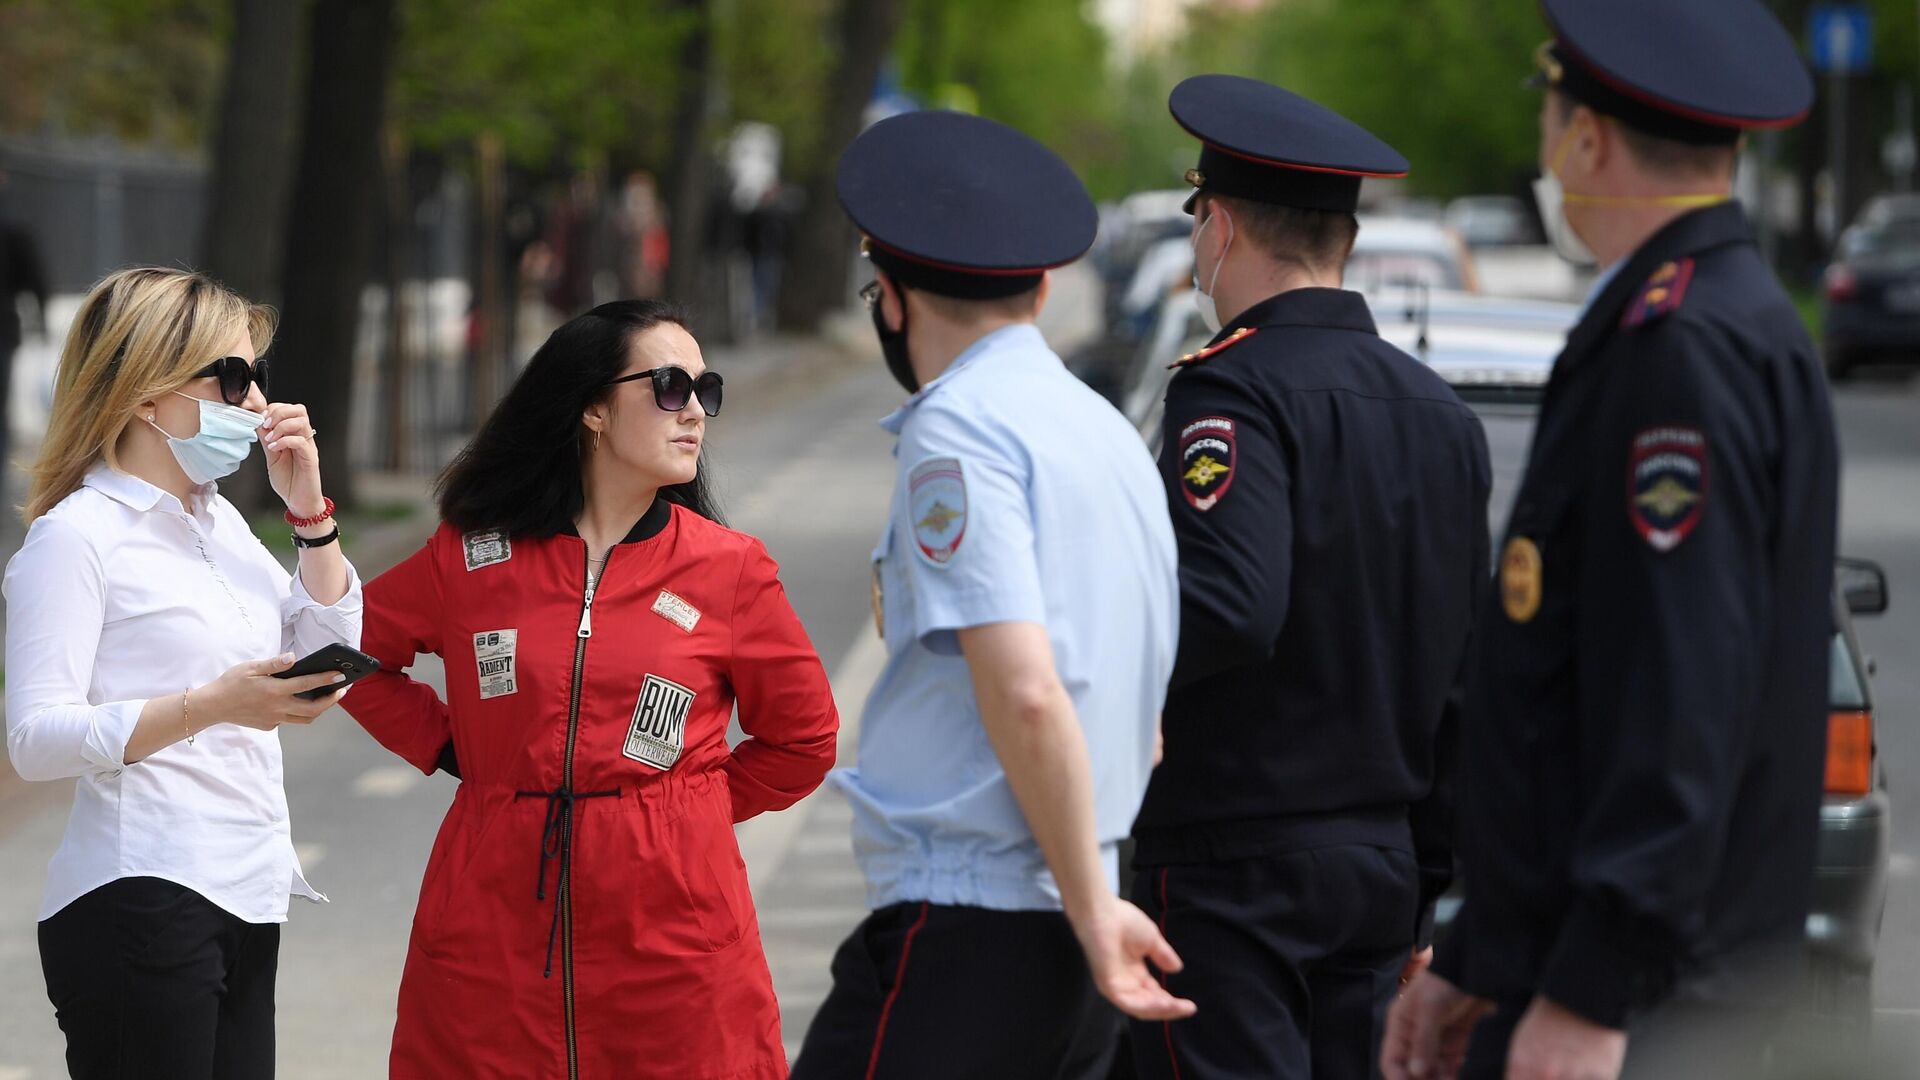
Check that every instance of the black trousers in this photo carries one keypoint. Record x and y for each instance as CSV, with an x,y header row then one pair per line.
x,y
151,979
926,992
1293,960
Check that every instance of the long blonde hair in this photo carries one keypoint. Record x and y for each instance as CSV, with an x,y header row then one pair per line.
x,y
140,333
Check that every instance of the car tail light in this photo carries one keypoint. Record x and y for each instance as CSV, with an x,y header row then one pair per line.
x,y
1850,753
1842,283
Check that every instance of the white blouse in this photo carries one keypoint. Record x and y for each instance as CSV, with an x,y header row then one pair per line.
x,y
120,595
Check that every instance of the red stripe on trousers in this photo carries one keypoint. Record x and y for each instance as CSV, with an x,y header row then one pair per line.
x,y
1166,1025
899,980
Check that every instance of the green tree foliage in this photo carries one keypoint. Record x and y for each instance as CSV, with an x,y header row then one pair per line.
x,y
776,58
550,77
1440,81
597,79
144,70
1038,65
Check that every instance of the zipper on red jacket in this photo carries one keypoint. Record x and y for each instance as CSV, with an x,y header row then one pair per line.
x,y
564,895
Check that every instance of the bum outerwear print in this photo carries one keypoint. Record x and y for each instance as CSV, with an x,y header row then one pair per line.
x,y
585,911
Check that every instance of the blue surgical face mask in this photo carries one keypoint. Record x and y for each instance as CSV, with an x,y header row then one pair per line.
x,y
227,434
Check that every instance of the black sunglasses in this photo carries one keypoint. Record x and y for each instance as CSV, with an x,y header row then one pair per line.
x,y
673,388
234,374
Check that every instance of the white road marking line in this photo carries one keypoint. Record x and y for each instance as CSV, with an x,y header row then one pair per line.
x,y
766,841
386,781
310,856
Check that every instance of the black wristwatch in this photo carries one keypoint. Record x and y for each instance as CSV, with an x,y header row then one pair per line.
x,y
318,541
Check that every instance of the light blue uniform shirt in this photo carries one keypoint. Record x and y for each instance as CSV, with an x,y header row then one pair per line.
x,y
1600,282
1019,495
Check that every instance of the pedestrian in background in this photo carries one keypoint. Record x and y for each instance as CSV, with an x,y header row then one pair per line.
x,y
585,910
138,613
22,274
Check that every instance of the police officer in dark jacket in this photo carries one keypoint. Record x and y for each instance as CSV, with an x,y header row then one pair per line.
x,y
1646,711
1329,498
21,274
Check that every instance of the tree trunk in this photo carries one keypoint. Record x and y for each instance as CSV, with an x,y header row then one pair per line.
x,y
253,150
330,230
399,237
687,189
815,283
1797,260
252,172
487,364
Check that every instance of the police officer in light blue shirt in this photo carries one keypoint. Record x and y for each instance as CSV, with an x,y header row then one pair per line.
x,y
1028,596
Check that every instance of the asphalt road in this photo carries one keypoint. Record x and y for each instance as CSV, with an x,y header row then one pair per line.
x,y
802,465
1879,423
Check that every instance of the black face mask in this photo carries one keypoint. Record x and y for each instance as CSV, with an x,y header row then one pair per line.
x,y
893,346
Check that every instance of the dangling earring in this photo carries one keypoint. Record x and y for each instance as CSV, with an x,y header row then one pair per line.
x,y
596,442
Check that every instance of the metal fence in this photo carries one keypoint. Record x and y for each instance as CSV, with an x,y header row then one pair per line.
x,y
95,205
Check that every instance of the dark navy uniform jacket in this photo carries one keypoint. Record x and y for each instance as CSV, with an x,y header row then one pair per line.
x,y
1646,708
1329,498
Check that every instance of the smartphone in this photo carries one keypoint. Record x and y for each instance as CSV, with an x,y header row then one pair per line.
x,y
348,661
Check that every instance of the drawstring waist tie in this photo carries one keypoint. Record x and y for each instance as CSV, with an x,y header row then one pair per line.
x,y
556,842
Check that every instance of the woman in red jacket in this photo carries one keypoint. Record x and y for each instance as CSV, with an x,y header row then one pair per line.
x,y
585,911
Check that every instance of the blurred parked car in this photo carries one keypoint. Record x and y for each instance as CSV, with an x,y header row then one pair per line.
x,y
1493,221
1134,226
1872,308
1400,251
1890,206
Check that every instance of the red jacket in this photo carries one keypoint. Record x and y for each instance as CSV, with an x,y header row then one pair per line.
x,y
585,912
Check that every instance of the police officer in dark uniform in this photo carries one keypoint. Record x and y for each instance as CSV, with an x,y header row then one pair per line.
x,y
1645,715
1329,498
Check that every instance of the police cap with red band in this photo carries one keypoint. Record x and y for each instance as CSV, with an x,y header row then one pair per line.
x,y
963,206
1269,145
1696,71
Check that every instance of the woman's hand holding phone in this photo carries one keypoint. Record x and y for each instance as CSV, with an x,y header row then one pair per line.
x,y
249,695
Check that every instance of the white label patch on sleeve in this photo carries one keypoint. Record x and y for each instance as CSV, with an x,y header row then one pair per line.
x,y
493,655
487,548
676,611
937,509
659,728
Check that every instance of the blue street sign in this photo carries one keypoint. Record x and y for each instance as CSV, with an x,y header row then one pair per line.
x,y
1840,37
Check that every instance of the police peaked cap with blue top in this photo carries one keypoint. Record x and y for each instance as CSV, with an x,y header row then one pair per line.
x,y
1695,71
1269,145
962,206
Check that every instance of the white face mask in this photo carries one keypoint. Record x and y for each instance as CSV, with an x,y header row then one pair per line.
x,y
1203,299
1552,198
226,436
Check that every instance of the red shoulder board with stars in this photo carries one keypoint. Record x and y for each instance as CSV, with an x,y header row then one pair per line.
x,y
1662,296
1234,338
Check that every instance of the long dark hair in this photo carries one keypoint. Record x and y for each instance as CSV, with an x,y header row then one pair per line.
x,y
521,473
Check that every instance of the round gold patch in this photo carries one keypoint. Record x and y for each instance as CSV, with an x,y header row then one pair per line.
x,y
1520,579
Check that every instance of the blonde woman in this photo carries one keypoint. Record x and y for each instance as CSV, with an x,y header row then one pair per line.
x,y
144,623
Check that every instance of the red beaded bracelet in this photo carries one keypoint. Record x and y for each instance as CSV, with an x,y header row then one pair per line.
x,y
309,522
